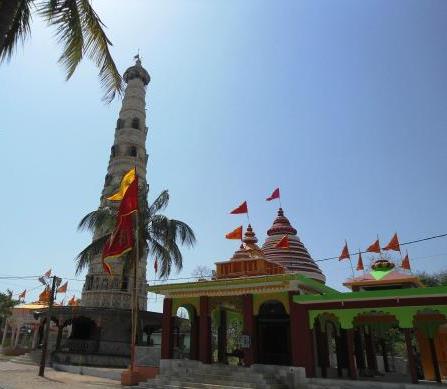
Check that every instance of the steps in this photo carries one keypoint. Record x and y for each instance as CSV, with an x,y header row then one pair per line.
x,y
213,377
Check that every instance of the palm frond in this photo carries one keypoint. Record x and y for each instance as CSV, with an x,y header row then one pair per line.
x,y
163,255
160,203
183,232
84,258
102,218
97,46
66,17
15,18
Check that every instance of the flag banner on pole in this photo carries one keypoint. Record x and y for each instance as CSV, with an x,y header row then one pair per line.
x,y
274,195
47,273
127,179
406,263
393,244
283,243
22,295
360,263
73,301
63,288
344,253
122,239
129,203
374,248
45,295
243,208
235,234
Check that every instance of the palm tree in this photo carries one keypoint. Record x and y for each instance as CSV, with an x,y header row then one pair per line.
x,y
158,234
78,28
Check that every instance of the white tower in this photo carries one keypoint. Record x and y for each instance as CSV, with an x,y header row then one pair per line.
x,y
128,150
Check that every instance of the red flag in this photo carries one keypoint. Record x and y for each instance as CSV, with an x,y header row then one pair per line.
x,y
63,288
344,253
73,301
156,265
235,234
274,195
243,208
374,248
406,263
47,274
129,203
122,239
360,263
22,295
45,295
394,244
283,243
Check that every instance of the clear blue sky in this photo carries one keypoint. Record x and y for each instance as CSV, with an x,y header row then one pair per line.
x,y
343,104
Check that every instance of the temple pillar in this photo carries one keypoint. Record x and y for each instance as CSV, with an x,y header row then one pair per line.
x,y
249,330
322,348
194,353
222,338
359,350
302,340
434,359
410,356
166,332
350,353
205,331
370,351
384,355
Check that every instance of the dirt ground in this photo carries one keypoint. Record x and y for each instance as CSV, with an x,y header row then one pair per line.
x,y
17,376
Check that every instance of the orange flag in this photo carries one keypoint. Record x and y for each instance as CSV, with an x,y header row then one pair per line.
x,y
394,244
47,274
344,253
405,263
63,288
283,243
22,295
360,263
73,301
235,234
45,295
243,208
374,248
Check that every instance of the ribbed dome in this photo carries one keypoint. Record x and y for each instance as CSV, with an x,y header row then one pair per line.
x,y
296,258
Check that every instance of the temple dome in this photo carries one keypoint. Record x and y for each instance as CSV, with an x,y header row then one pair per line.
x,y
295,258
137,71
248,249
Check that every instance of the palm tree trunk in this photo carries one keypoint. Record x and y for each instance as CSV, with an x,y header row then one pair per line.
x,y
8,9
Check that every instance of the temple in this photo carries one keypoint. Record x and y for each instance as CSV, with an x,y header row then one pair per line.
x,y
269,306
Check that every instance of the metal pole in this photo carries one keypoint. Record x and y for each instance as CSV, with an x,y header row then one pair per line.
x,y
47,329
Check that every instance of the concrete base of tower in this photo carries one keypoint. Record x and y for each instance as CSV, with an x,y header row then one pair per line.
x,y
102,336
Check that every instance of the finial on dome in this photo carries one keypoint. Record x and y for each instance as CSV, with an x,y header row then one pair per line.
x,y
137,71
280,212
250,236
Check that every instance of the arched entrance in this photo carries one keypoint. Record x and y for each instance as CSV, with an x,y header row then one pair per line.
x,y
273,334
184,333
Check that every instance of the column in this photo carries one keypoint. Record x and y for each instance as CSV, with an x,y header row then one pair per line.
x,y
222,338
166,332
322,348
350,352
302,340
5,333
384,355
249,330
370,351
205,331
359,351
194,353
410,355
434,358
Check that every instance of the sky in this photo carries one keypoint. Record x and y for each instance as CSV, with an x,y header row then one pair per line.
x,y
342,104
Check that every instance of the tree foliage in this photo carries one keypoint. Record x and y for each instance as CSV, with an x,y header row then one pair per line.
x,y
6,304
433,279
78,29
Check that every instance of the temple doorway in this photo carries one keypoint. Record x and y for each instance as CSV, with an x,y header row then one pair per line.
x,y
226,333
273,334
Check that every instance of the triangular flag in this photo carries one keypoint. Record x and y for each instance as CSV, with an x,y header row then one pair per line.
x,y
127,179
47,274
72,301
22,295
283,243
406,263
393,244
274,195
360,263
235,234
63,288
344,253
374,248
243,208
156,265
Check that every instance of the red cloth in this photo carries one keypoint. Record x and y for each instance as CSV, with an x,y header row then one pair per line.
x,y
283,243
344,253
243,208
122,239
63,288
129,203
274,195
235,234
360,263
374,248
394,244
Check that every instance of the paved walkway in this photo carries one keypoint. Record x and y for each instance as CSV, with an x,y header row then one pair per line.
x,y
18,376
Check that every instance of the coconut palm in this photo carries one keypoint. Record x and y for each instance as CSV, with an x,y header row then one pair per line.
x,y
78,28
159,235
